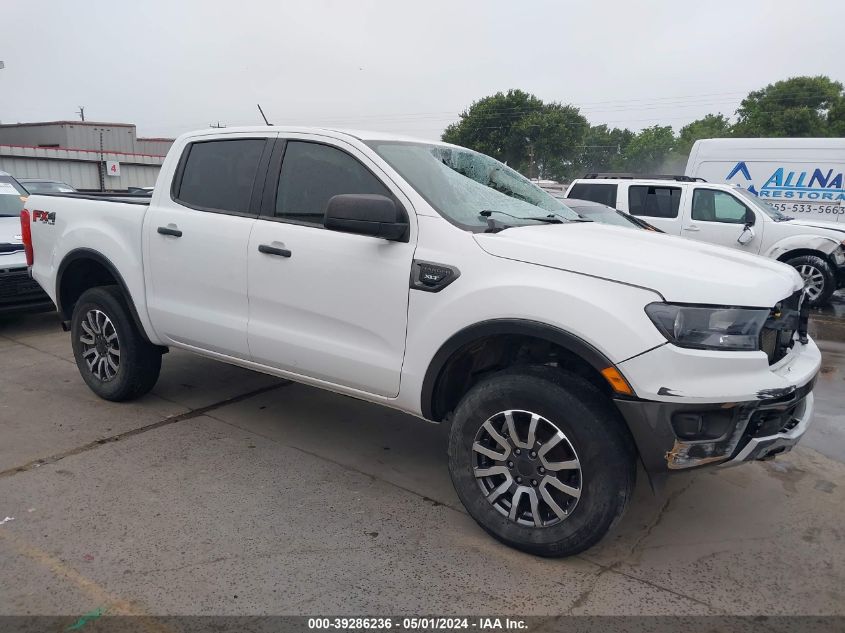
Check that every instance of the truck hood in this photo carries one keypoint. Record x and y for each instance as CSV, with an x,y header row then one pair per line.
x,y
10,239
832,230
681,270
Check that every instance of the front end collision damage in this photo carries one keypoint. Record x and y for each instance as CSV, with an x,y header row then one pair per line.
x,y
678,436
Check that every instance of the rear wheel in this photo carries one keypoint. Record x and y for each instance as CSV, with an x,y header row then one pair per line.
x,y
819,280
115,360
540,460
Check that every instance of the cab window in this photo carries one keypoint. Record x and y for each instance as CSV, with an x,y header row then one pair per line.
x,y
601,193
709,205
312,173
654,201
218,175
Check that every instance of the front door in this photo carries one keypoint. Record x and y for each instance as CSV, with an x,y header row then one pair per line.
x,y
196,245
719,217
327,305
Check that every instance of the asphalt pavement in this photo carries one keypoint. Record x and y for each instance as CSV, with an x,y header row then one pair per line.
x,y
230,492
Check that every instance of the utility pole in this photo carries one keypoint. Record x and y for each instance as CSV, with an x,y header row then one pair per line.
x,y
81,113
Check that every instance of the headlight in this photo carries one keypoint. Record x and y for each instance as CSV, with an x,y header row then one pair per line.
x,y
709,328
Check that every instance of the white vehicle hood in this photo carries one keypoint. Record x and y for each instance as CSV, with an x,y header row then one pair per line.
x,y
10,237
827,229
681,270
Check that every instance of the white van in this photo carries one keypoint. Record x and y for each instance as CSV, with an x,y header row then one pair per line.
x,y
803,177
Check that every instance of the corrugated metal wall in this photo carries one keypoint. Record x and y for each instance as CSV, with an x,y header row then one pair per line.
x,y
80,174
70,135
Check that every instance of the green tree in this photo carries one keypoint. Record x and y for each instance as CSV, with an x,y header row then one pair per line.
x,y
488,126
711,126
603,149
536,138
552,136
650,149
796,107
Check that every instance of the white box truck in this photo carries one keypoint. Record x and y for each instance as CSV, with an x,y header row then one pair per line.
x,y
804,177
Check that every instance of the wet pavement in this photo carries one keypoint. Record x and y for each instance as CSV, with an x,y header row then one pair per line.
x,y
230,492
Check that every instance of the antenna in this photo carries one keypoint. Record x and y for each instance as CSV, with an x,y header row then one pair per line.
x,y
81,113
262,114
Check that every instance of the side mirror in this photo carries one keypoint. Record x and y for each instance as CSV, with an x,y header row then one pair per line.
x,y
746,236
366,214
750,218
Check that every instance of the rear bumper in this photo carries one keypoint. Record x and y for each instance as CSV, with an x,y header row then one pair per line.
x,y
20,293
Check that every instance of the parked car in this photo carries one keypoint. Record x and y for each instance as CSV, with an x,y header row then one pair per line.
x,y
800,176
727,215
18,291
38,185
436,280
598,212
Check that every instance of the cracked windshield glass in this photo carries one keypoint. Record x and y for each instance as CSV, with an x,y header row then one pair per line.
x,y
461,184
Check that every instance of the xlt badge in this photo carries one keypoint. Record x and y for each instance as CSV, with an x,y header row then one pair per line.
x,y
432,277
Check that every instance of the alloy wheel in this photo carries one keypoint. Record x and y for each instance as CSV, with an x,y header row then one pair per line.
x,y
813,280
527,468
100,345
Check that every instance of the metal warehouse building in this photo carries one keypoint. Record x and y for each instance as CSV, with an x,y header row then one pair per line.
x,y
84,154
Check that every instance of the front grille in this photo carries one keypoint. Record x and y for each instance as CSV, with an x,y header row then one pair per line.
x,y
778,335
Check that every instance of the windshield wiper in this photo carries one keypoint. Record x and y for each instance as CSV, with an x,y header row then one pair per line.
x,y
549,219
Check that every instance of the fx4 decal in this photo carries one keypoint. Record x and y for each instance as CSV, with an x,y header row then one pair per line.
x,y
47,217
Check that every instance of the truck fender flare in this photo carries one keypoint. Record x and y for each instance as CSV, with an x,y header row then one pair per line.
x,y
87,253
526,327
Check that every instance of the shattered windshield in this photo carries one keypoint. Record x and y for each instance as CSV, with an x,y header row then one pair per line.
x,y
461,184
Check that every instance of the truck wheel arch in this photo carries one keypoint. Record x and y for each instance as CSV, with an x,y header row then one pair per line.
x,y
798,252
436,400
84,268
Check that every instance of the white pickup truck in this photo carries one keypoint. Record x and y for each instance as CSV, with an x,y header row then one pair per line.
x,y
436,280
728,215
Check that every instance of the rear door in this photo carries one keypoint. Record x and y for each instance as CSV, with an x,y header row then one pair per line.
x,y
327,305
197,236
658,205
719,217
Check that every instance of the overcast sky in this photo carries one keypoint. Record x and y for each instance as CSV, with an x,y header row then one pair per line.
x,y
410,67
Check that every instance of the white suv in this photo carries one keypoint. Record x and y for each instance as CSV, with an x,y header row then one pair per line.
x,y
727,215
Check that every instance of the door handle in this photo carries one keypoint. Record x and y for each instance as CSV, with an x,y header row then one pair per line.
x,y
691,227
166,230
272,250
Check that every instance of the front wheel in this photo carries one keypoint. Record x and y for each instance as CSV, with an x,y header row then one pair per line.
x,y
115,360
819,280
541,460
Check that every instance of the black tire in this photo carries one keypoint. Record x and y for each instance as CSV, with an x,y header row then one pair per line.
x,y
820,271
595,432
138,361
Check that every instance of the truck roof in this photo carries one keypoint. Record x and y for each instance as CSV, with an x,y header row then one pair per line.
x,y
771,143
361,135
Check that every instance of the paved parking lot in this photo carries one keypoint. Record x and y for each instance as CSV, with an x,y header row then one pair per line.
x,y
229,492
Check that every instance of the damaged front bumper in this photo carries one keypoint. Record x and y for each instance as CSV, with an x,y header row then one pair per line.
x,y
677,436
763,410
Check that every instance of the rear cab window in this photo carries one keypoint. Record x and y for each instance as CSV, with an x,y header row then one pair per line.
x,y
601,193
654,201
219,175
